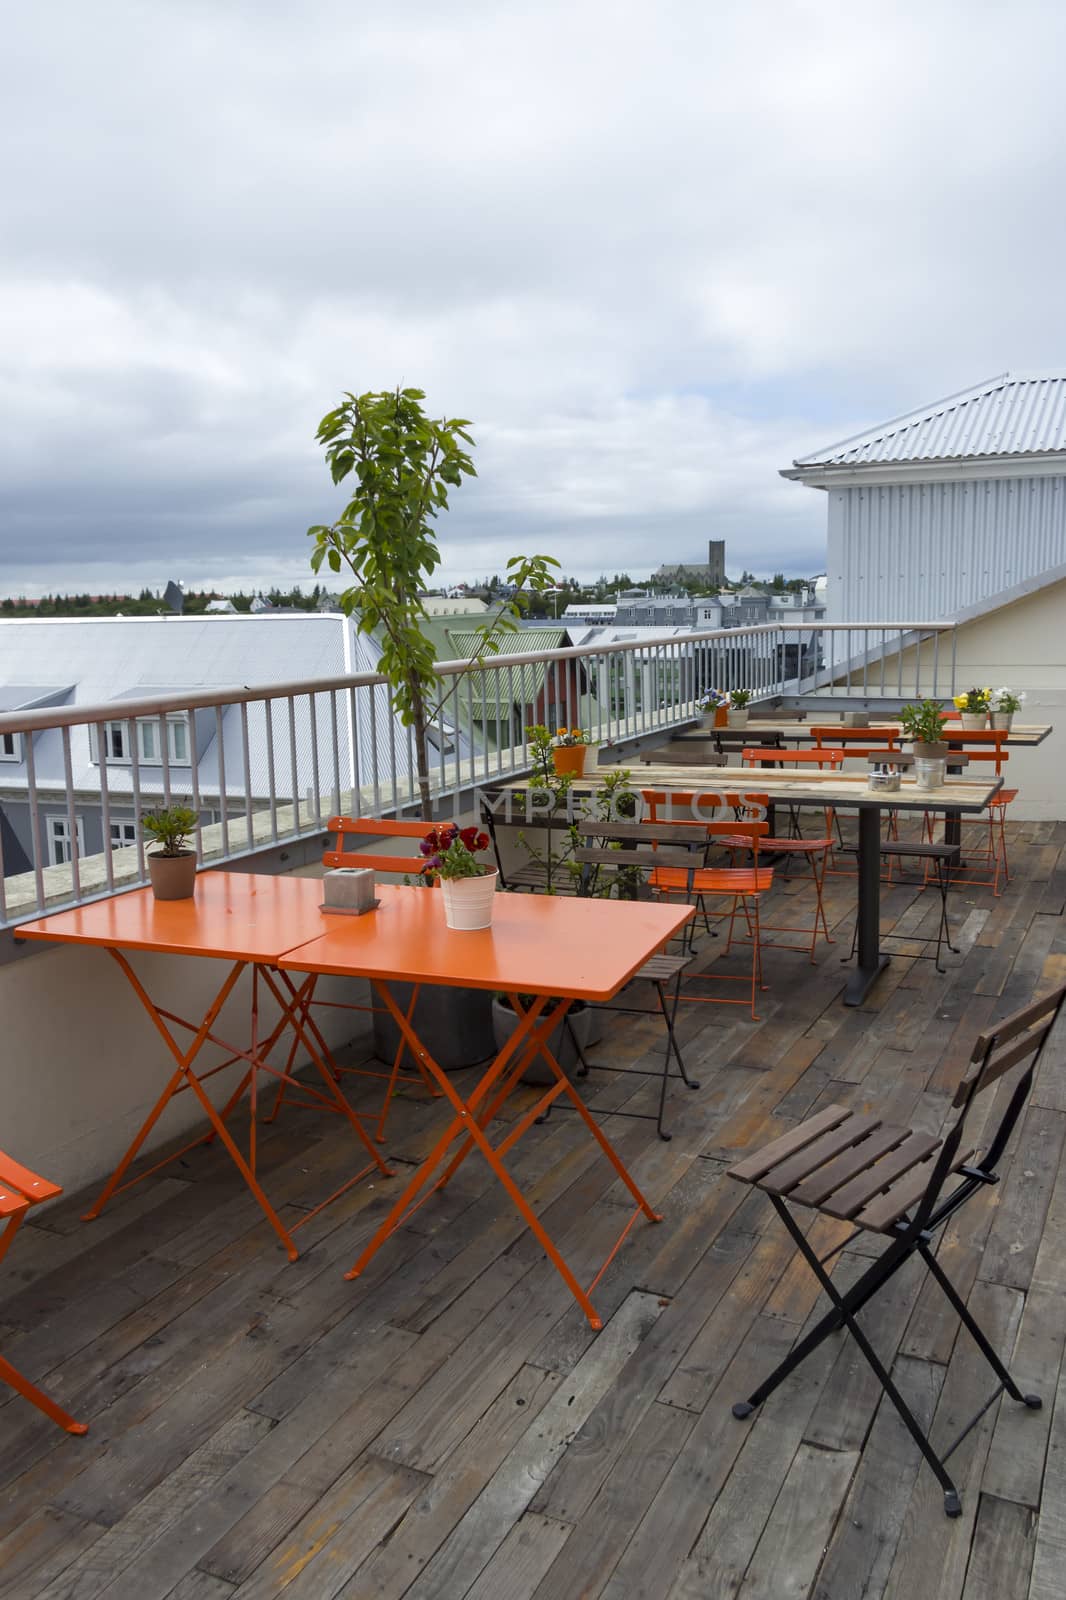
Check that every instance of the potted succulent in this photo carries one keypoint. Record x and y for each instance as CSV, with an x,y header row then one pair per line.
x,y
715,707
568,750
738,707
468,886
171,868
923,725
973,707
1005,702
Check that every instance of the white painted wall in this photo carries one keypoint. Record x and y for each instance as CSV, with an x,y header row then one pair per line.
x,y
911,551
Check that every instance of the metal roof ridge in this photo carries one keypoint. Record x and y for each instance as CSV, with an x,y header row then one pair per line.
x,y
880,429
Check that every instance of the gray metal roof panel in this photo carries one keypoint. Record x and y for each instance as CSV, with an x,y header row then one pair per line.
x,y
1004,416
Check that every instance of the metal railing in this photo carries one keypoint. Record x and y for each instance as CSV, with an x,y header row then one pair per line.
x,y
267,765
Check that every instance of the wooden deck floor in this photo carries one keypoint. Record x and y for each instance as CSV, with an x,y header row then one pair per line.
x,y
449,1426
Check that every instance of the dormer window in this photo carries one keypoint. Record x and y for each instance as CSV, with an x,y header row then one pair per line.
x,y
149,735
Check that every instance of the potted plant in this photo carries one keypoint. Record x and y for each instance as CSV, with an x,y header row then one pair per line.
x,y
468,886
715,707
171,868
973,707
578,1025
1005,702
568,751
738,707
923,725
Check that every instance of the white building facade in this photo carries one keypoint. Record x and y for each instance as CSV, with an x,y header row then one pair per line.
x,y
948,509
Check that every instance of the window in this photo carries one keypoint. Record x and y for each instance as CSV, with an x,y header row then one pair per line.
x,y
123,834
59,850
10,747
115,741
149,743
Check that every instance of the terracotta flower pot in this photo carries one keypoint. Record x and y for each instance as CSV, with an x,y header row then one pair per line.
x,y
468,902
569,758
173,877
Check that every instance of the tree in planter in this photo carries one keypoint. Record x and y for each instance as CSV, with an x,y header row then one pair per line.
x,y
613,799
405,464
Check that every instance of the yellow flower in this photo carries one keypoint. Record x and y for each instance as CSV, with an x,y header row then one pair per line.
x,y
959,702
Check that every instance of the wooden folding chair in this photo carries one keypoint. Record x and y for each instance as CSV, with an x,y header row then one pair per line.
x,y
966,748
624,855
903,1185
19,1190
361,828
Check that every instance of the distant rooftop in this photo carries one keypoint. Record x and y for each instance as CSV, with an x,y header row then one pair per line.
x,y
1004,416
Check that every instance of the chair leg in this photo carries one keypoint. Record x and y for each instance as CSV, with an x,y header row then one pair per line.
x,y
37,1397
845,1309
1033,1401
672,1047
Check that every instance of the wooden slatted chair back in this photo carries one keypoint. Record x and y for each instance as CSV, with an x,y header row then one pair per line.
x,y
1018,1038
1009,1042
644,845
373,828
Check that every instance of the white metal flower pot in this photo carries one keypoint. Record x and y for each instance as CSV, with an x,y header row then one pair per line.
x,y
468,902
973,719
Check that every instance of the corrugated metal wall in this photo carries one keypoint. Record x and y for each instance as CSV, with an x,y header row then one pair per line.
x,y
920,552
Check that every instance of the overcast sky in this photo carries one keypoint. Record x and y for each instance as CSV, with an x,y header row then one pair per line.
x,y
653,251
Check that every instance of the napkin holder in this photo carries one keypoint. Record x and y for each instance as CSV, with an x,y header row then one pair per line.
x,y
349,892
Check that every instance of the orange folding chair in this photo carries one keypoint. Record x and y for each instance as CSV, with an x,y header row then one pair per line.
x,y
362,828
982,744
743,887
19,1190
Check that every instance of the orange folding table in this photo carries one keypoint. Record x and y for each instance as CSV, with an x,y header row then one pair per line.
x,y
552,949
246,920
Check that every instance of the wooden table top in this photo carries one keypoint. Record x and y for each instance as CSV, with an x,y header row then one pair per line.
x,y
1021,735
802,787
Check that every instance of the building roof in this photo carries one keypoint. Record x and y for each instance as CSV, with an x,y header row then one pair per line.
x,y
119,658
523,684
1010,415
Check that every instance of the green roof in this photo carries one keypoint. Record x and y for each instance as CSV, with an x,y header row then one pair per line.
x,y
518,685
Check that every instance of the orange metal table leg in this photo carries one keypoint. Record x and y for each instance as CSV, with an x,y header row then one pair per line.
x,y
185,1077
471,1118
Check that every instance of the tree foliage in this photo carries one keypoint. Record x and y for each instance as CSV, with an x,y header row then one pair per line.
x,y
405,464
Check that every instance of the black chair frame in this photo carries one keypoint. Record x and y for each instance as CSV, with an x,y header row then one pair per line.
x,y
923,1208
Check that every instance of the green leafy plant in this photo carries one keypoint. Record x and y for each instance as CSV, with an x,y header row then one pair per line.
x,y
404,464
974,702
739,698
613,798
170,828
923,723
1007,701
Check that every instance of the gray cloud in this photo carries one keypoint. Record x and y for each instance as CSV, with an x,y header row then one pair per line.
x,y
652,253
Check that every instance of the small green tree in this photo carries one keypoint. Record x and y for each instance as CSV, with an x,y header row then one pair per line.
x,y
405,464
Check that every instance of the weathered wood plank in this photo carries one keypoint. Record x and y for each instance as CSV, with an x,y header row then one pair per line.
x,y
790,1551
869,1528
1002,1554
509,1491
523,1558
